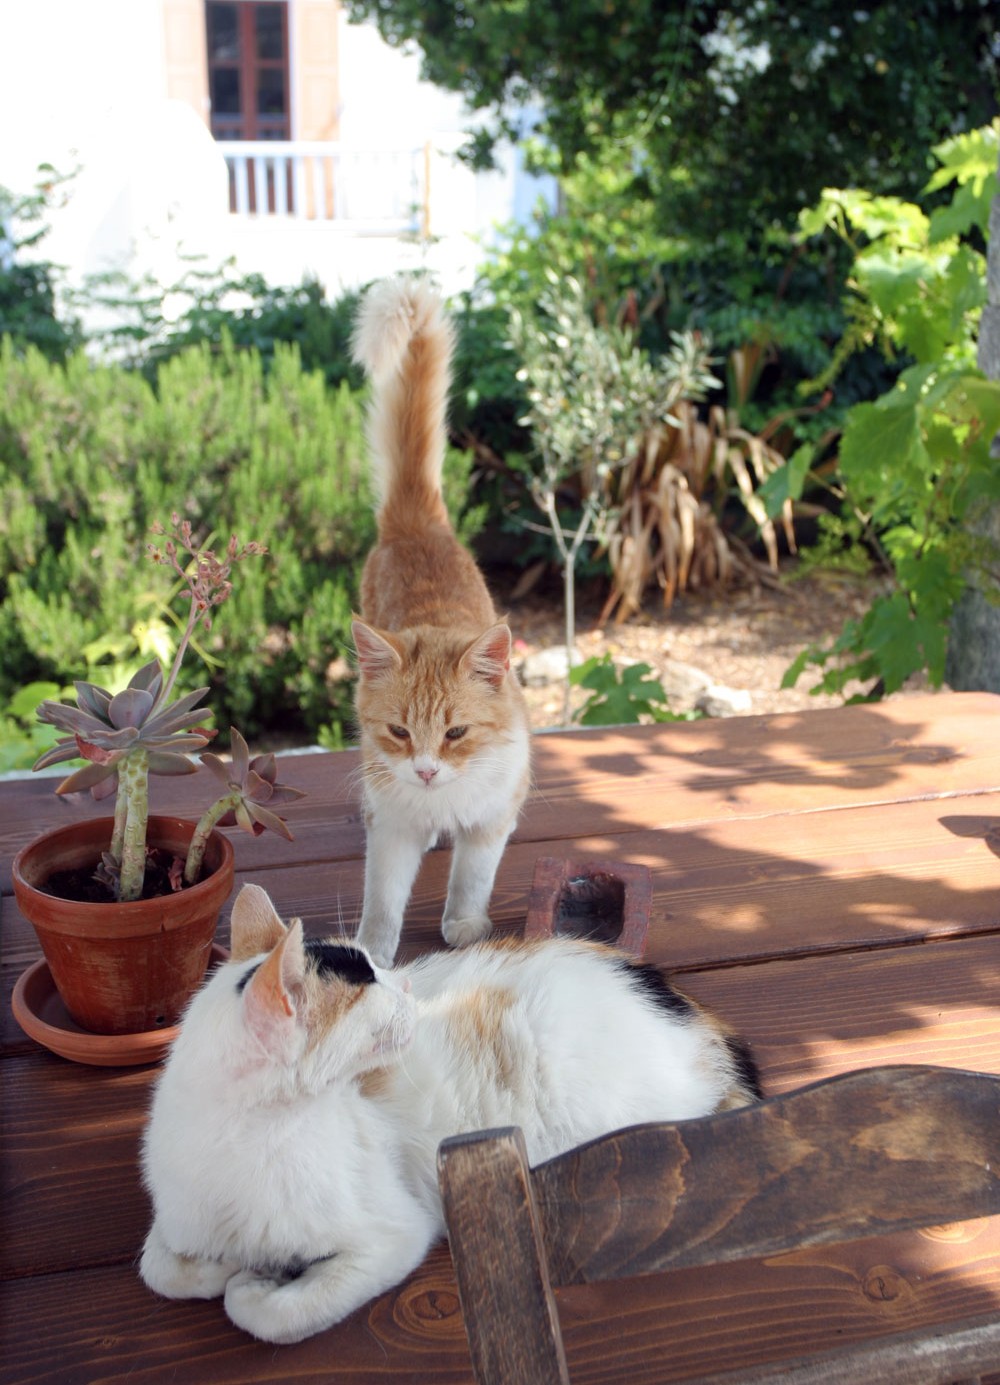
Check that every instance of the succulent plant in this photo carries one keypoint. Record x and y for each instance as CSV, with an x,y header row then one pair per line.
x,y
252,789
125,737
139,731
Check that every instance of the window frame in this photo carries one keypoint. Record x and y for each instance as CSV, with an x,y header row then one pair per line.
x,y
249,124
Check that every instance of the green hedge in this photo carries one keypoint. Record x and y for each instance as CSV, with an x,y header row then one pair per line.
x,y
91,455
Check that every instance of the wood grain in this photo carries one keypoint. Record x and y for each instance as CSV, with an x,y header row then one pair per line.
x,y
616,779
812,1017
496,1240
883,1150
102,1327
826,881
866,1153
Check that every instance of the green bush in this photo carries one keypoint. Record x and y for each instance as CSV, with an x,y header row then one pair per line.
x,y
765,293
91,455
914,467
220,303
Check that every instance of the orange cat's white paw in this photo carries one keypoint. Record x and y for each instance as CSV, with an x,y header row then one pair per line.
x,y
463,932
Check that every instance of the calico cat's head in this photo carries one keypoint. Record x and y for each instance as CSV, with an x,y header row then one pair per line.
x,y
308,1012
431,701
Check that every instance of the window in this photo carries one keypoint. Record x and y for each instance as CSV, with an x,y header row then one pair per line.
x,y
248,69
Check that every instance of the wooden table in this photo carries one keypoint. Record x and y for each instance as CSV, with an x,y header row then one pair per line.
x,y
828,881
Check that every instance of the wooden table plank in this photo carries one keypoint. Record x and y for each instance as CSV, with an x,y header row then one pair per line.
x,y
614,780
723,892
71,1175
862,833
817,1016
69,1164
730,891
747,766
103,1328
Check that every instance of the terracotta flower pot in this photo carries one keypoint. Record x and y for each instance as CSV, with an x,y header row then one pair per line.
x,y
123,968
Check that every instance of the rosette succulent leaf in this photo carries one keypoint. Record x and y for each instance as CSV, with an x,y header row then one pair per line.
x,y
251,792
125,737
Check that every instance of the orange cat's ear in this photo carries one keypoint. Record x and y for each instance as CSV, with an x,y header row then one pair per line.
x,y
269,998
489,656
377,655
254,926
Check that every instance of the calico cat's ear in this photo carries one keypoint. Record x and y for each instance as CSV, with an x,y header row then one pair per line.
x,y
254,926
376,654
489,656
269,998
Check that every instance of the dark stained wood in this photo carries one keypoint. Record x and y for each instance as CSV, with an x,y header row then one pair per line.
x,y
827,882
500,1259
886,1149
883,1150
105,1326
69,1164
907,1358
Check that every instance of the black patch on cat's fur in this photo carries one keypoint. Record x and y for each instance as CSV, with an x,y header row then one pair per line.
x,y
340,959
649,980
746,1067
242,983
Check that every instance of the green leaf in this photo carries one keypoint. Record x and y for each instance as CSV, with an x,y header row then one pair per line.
x,y
879,440
903,641
25,701
970,207
618,699
787,482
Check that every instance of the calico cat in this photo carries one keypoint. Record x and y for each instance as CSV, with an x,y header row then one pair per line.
x,y
291,1149
443,723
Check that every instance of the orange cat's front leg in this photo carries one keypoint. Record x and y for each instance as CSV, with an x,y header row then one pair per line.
x,y
475,858
392,859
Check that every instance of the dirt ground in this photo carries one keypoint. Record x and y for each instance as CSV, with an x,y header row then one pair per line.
x,y
742,638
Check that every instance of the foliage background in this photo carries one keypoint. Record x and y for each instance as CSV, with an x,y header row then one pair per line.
x,y
91,455
689,137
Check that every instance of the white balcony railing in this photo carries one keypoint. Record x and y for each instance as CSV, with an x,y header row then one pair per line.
x,y
376,189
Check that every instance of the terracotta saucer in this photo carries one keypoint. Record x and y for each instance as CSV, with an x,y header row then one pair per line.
x,y
40,1012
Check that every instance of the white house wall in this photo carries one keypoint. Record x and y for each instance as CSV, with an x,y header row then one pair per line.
x,y
83,82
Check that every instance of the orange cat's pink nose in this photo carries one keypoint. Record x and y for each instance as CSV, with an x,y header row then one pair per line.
x,y
427,774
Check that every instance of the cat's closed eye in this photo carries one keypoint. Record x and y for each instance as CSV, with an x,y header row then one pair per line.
x,y
455,733
400,732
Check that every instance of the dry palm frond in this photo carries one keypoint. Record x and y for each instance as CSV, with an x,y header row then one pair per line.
x,y
665,530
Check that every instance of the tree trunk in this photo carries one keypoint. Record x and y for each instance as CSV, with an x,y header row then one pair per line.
x,y
974,634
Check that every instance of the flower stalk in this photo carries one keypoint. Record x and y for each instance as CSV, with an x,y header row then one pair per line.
x,y
128,736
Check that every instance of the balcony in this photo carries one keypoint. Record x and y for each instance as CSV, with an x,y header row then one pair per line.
x,y
374,191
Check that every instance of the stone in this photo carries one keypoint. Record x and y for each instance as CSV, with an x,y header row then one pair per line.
x,y
683,682
545,666
719,701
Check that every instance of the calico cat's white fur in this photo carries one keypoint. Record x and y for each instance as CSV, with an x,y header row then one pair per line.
x,y
443,724
291,1149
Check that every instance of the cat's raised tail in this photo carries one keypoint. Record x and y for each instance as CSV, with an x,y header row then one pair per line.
x,y
404,340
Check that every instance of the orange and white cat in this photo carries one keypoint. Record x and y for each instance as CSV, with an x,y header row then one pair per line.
x,y
445,738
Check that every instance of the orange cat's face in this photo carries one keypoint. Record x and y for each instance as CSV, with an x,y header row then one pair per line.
x,y
430,703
